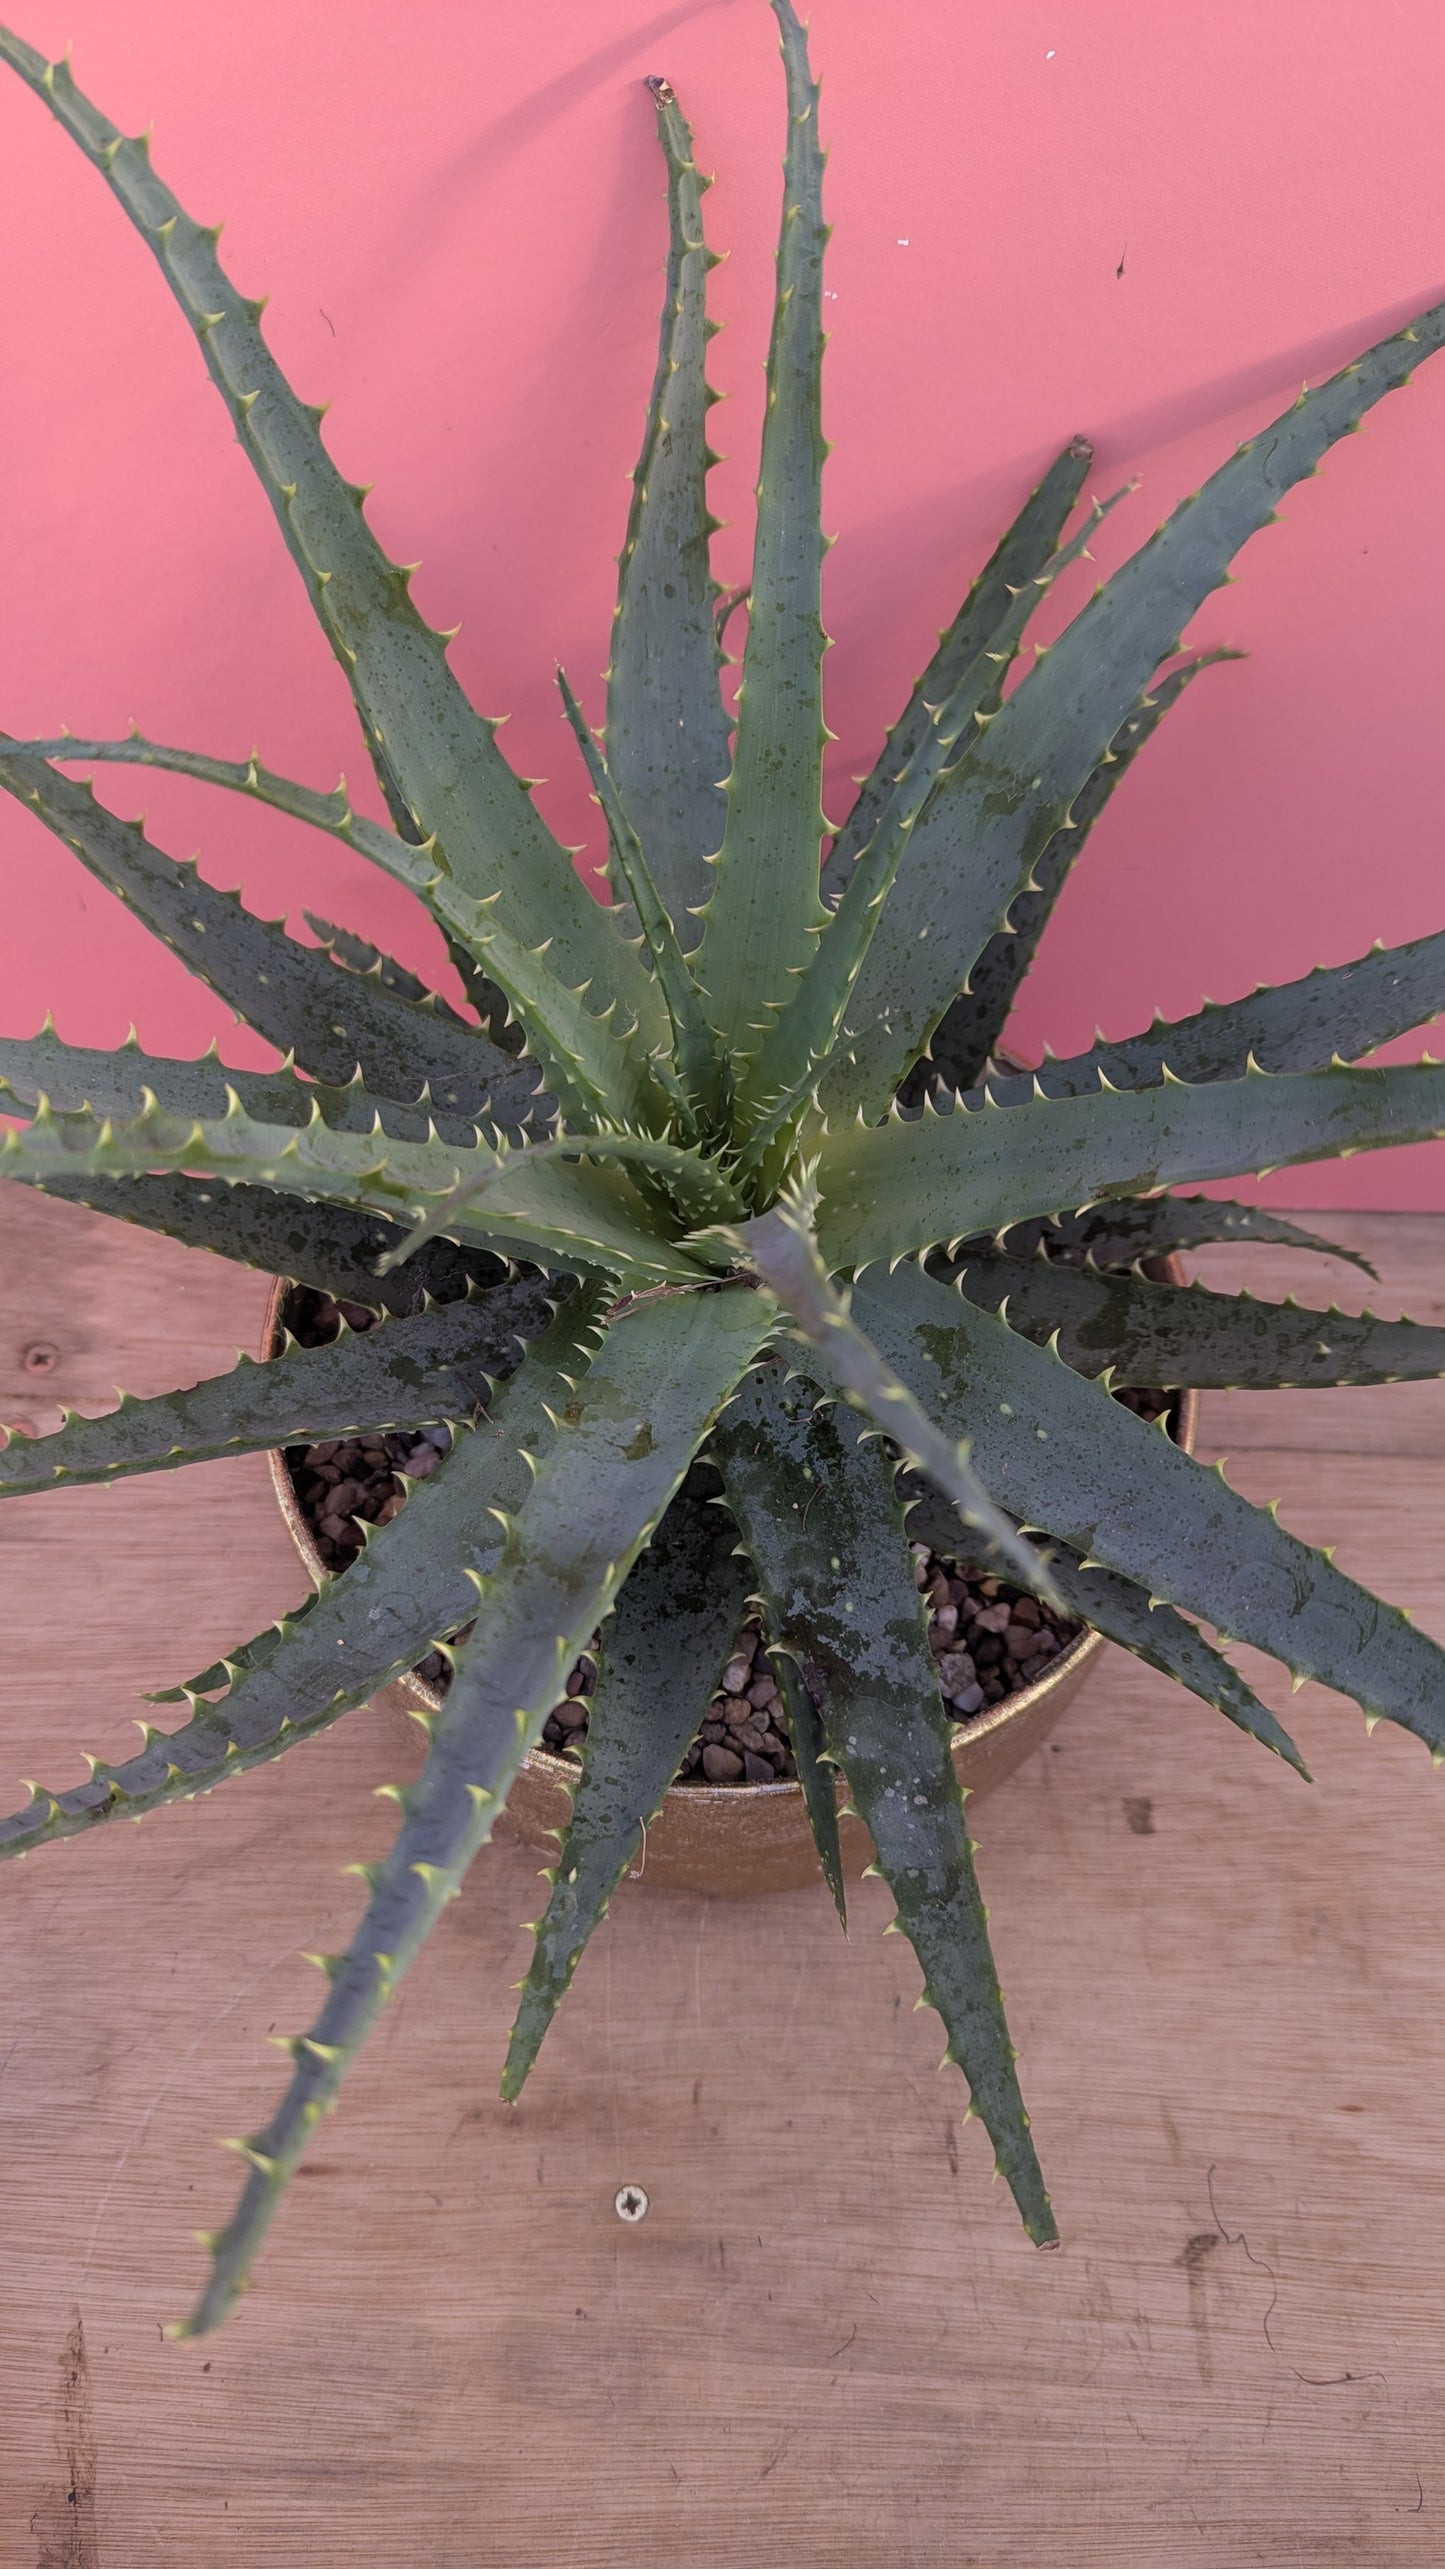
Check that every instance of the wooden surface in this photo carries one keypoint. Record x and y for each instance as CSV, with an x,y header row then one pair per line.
x,y
828,2342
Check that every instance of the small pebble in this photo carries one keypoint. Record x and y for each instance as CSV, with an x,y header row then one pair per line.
x,y
721,1765
956,1670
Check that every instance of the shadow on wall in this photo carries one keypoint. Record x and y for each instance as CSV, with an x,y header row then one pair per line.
x,y
992,498
874,613
449,190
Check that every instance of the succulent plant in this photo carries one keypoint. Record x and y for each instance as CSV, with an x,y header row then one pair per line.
x,y
720,1190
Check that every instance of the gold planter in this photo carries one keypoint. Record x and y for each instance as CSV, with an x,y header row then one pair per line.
x,y
744,1838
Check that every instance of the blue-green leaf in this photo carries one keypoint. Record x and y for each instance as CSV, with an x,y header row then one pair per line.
x,y
675,1622
668,738
412,1587
891,1188
1129,1616
765,910
439,753
963,875
1062,1456
437,1365
781,1247
624,1440
843,1605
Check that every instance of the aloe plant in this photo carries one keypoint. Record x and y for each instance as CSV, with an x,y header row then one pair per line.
x,y
716,1188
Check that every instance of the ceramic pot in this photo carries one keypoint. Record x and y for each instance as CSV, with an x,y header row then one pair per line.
x,y
741,1839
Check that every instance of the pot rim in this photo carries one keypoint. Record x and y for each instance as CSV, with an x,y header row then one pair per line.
x,y
563,1770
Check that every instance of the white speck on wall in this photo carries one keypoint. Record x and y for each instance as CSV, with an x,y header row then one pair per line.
x,y
1049,56
903,240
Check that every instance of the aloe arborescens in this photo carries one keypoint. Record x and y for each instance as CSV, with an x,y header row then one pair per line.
x,y
718,1190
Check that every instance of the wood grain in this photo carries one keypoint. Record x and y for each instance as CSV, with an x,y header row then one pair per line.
x,y
828,2342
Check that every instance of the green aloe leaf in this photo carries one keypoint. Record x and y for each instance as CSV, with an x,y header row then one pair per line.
x,y
413,861
972,1026
765,911
73,1076
410,1373
1154,1226
1062,1456
668,737
324,1245
623,1444
801,1042
1128,1615
525,1420
700,1066
817,1774
669,1637
395,852
570,1207
961,878
888,1189
1339,1012
408,860
843,1605
973,636
358,954
412,1588
596,1060
694,1186
332,1022
764,1449
440,753
1136,1331
781,1248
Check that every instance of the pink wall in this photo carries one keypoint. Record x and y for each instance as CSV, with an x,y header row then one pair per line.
x,y
457,211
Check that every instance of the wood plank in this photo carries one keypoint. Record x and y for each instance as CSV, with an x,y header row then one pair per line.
x,y
90,1306
827,2343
